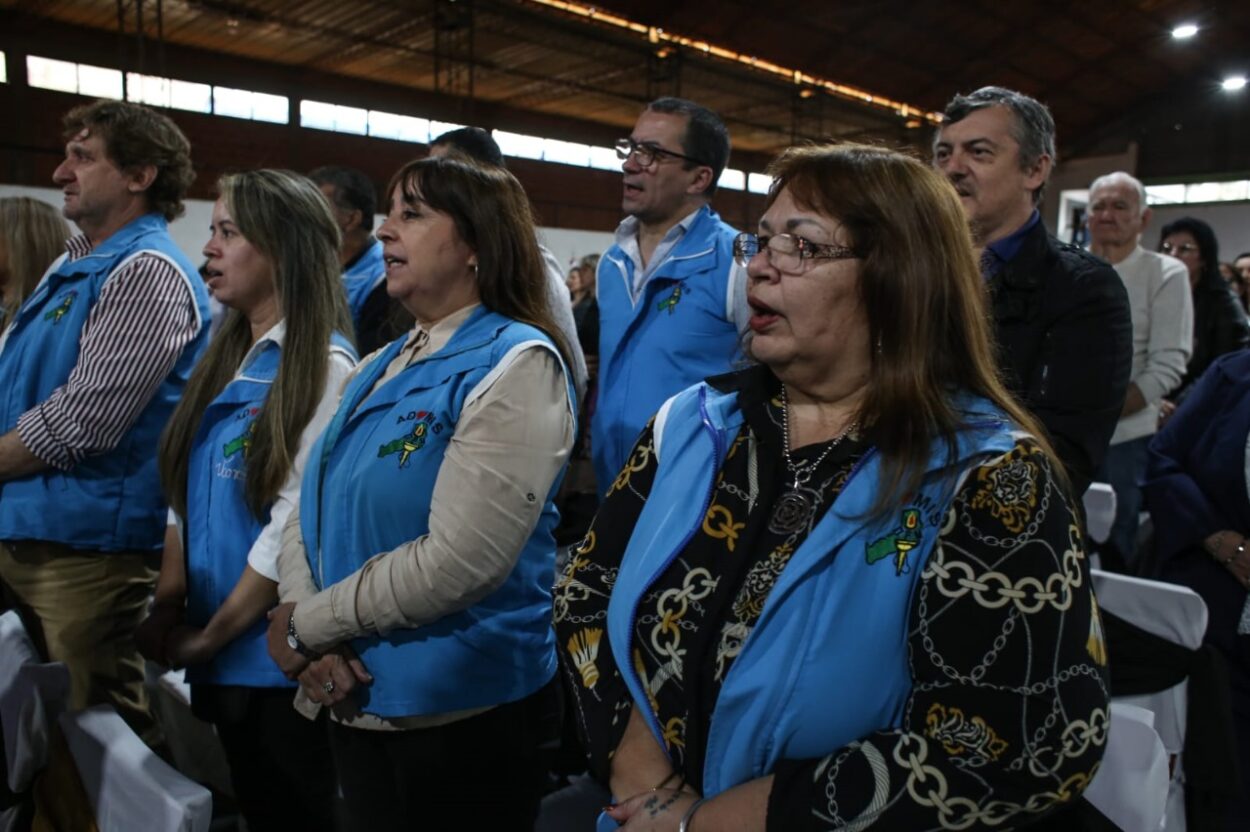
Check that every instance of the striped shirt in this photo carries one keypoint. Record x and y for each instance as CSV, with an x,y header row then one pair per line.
x,y
144,318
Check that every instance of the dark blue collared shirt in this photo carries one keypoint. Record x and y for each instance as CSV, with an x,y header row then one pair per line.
x,y
999,253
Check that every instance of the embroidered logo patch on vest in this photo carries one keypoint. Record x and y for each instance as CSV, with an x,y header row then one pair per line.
x,y
897,543
241,443
670,303
61,310
414,439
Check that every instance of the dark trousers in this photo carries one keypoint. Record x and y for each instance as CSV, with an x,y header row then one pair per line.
x,y
1123,468
281,765
484,772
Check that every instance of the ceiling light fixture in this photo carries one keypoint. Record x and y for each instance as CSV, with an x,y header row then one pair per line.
x,y
656,35
1234,83
1184,31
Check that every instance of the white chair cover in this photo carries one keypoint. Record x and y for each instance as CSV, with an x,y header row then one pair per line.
x,y
1176,614
1100,504
129,787
1131,786
32,695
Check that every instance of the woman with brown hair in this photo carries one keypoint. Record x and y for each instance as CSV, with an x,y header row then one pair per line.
x,y
417,583
843,587
32,235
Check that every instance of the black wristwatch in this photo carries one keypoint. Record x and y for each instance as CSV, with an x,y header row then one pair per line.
x,y
292,639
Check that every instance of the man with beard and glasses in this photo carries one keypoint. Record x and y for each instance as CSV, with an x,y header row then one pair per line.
x,y
1061,316
672,302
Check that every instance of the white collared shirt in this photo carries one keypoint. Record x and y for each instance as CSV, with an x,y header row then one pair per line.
x,y
627,239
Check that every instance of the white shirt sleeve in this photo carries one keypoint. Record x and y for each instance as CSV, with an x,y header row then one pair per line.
x,y
562,316
263,556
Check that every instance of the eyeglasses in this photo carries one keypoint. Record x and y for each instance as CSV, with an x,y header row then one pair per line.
x,y
648,154
1183,248
786,252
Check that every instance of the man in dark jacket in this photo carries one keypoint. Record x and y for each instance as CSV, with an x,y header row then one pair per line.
x,y
1061,315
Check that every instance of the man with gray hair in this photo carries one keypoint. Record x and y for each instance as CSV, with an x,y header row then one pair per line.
x,y
1061,316
1163,317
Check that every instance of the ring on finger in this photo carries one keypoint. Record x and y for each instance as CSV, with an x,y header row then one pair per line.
x,y
328,687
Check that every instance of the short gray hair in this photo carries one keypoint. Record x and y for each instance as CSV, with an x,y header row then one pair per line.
x,y
1121,176
1032,125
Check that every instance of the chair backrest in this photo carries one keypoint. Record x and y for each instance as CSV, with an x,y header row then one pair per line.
x,y
1131,786
1169,611
1178,615
1174,613
1099,500
129,787
32,695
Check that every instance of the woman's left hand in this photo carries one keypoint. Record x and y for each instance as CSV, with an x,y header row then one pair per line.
x,y
331,679
188,645
658,811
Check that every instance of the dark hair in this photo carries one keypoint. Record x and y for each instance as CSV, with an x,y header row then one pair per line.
x,y
493,218
706,137
353,191
922,295
475,143
1240,256
134,137
1208,246
1032,125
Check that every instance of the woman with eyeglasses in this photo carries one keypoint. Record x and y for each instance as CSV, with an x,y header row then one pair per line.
x,y
1219,323
845,586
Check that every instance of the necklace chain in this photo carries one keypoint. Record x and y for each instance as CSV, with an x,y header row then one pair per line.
x,y
803,473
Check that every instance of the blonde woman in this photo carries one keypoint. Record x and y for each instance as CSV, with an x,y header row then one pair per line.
x,y
32,235
231,460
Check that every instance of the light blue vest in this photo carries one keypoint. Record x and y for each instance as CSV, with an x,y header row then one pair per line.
x,y
362,278
109,502
678,333
826,662
220,529
367,490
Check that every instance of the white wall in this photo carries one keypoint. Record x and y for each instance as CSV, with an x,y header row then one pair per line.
x,y
190,231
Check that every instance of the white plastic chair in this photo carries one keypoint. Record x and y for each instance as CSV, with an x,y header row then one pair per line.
x,y
127,785
1176,614
1131,786
32,695
1100,505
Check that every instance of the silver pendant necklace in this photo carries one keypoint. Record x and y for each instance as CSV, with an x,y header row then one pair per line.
x,y
793,509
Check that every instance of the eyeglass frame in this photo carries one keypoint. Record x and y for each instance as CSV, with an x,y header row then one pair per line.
x,y
655,152
1168,248
806,249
